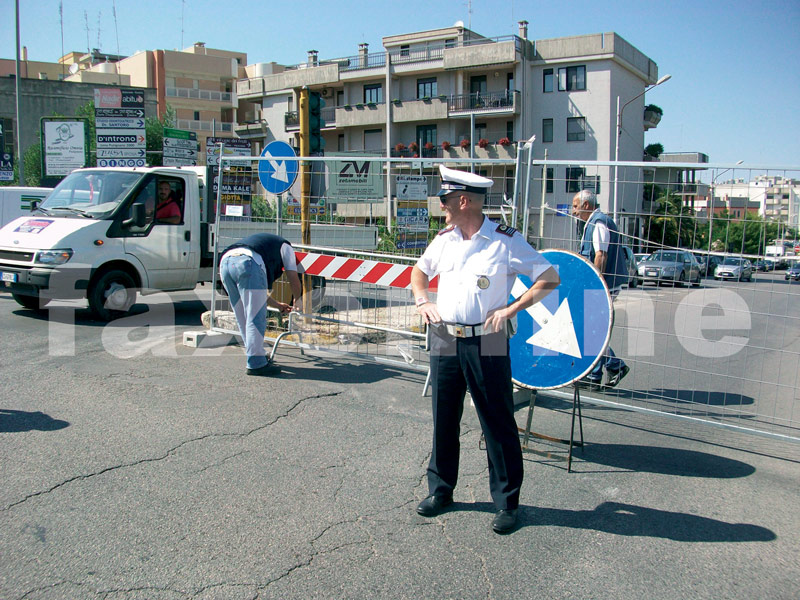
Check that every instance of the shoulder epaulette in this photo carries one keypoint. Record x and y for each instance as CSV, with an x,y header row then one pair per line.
x,y
505,230
447,230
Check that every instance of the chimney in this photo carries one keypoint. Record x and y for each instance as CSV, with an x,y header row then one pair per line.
x,y
363,53
24,55
199,47
523,30
313,58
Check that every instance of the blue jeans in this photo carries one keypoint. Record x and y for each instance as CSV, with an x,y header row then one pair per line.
x,y
246,283
609,360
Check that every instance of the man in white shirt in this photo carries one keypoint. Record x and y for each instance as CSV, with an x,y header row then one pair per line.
x,y
477,262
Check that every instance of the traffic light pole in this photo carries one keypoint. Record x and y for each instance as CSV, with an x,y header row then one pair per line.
x,y
305,190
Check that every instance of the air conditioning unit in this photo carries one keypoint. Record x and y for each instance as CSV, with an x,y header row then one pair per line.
x,y
326,92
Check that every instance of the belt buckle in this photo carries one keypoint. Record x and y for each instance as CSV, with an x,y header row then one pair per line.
x,y
458,331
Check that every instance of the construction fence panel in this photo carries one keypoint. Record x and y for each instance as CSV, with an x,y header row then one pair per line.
x,y
722,351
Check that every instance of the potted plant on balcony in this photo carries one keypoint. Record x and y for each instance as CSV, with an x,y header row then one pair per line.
x,y
445,145
399,147
396,101
483,142
464,143
359,105
653,114
428,146
413,147
504,141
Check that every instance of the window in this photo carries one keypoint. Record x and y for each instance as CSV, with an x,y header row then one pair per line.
x,y
510,130
373,92
340,143
373,139
450,43
480,132
426,134
510,81
547,80
477,84
571,79
576,129
574,178
549,180
547,130
591,182
427,88
405,50
197,115
339,97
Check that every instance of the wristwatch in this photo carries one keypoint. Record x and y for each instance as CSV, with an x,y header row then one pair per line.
x,y
421,301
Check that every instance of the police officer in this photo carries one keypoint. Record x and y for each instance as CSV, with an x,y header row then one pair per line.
x,y
248,269
477,262
600,244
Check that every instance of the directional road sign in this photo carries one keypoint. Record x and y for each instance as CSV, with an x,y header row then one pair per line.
x,y
130,113
277,174
120,153
119,123
560,339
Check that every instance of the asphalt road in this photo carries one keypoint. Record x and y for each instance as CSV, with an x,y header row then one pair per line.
x,y
133,467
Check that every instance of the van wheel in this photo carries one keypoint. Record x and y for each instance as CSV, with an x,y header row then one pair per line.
x,y
31,302
112,295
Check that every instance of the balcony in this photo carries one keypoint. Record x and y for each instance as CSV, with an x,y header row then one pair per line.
x,y
204,125
251,129
489,103
196,94
651,119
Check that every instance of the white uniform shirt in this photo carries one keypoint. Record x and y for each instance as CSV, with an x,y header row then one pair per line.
x,y
465,266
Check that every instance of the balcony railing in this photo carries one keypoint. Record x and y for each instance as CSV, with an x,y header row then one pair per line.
x,y
199,94
482,101
204,125
410,55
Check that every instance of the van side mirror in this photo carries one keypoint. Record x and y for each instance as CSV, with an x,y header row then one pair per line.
x,y
138,216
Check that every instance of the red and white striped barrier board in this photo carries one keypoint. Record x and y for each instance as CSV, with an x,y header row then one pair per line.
x,y
358,270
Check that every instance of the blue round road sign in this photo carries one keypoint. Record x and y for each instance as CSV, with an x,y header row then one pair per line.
x,y
276,173
560,339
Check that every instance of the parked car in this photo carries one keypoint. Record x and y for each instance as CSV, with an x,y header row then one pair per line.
x,y
630,259
640,256
764,265
670,266
793,273
732,267
708,263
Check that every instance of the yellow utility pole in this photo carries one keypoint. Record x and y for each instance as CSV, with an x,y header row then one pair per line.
x,y
305,191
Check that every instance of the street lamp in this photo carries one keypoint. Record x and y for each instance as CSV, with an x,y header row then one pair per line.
x,y
710,209
619,133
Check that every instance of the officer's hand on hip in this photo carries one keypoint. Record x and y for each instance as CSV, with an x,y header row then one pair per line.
x,y
429,312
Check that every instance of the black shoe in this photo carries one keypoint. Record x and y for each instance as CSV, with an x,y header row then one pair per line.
x,y
614,377
434,505
268,369
505,520
590,384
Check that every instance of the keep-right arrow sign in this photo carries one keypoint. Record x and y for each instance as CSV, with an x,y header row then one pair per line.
x,y
560,339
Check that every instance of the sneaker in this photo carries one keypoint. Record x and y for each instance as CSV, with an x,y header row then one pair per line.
x,y
268,369
614,377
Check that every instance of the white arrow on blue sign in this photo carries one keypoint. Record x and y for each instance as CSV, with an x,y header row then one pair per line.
x,y
560,339
277,174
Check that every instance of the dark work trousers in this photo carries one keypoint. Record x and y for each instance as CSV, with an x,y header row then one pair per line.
x,y
480,364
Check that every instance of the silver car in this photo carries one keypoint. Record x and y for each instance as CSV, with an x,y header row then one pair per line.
x,y
739,269
670,266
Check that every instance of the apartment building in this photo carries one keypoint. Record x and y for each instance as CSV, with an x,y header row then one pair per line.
x,y
453,84
198,82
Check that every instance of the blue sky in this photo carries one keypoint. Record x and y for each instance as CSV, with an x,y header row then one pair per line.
x,y
734,92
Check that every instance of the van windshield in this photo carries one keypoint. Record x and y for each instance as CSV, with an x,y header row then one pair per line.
x,y
90,194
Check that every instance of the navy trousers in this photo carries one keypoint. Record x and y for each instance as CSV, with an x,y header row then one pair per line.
x,y
480,364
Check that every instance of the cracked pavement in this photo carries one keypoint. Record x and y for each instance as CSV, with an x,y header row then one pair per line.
x,y
172,475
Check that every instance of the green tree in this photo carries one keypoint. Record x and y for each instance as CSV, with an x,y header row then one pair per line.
x,y
154,130
671,223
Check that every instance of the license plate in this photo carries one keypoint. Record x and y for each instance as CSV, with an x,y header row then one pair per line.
x,y
12,277
652,273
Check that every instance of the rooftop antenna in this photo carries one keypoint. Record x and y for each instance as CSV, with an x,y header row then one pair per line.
x,y
86,21
99,14
469,11
116,31
61,18
183,5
